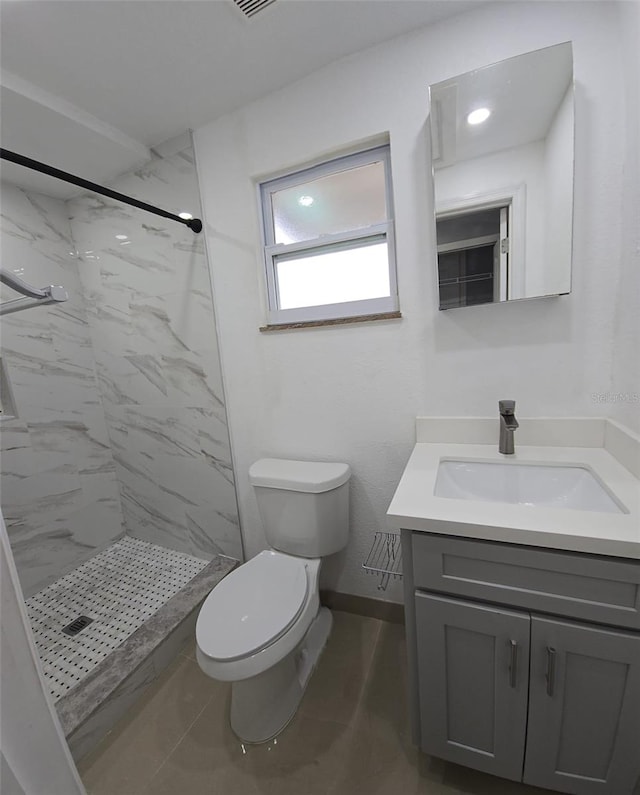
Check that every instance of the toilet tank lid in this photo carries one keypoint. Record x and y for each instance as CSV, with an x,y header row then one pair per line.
x,y
310,476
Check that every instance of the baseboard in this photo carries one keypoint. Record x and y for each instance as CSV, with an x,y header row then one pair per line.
x,y
363,606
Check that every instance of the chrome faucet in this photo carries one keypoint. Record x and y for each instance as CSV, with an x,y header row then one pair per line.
x,y
508,424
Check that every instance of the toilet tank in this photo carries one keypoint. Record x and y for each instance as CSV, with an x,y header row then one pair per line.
x,y
304,505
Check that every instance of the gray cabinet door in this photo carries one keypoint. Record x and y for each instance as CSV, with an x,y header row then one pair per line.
x,y
473,671
584,709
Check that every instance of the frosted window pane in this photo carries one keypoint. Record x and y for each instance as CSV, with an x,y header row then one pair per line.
x,y
351,199
354,274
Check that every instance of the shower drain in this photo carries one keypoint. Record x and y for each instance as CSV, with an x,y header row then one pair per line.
x,y
77,625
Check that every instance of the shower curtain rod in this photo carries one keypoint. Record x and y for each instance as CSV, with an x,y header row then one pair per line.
x,y
193,223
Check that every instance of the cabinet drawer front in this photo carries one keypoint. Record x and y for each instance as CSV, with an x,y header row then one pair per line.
x,y
580,586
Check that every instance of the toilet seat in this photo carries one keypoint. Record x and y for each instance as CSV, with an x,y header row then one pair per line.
x,y
252,607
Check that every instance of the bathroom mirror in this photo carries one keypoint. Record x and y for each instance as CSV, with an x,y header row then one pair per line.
x,y
502,154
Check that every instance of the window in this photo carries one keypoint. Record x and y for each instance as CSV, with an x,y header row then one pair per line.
x,y
328,234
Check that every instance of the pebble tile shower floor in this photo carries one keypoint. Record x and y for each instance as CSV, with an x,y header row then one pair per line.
x,y
120,588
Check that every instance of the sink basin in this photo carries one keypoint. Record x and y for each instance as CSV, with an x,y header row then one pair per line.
x,y
544,485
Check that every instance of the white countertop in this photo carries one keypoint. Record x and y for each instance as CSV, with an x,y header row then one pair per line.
x,y
415,507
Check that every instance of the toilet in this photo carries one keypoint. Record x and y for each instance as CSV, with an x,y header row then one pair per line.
x,y
262,627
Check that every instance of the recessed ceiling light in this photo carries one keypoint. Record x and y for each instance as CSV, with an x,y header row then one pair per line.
x,y
122,237
478,116
306,201
185,216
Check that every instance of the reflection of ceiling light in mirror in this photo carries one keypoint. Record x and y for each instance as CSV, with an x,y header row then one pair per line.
x,y
478,116
185,216
306,201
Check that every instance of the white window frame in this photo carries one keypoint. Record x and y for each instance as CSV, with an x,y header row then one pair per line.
x,y
381,232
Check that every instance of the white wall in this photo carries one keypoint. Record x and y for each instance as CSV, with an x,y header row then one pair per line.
x,y
352,393
623,403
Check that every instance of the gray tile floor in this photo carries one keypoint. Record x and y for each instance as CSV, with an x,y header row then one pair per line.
x,y
350,736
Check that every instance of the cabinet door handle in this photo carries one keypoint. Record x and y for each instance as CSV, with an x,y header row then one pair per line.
x,y
551,670
513,663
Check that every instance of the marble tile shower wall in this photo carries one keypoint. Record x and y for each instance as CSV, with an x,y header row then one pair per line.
x,y
59,491
150,311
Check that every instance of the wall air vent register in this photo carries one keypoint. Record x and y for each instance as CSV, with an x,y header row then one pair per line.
x,y
251,7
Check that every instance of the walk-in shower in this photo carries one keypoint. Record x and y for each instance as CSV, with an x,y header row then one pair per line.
x,y
117,482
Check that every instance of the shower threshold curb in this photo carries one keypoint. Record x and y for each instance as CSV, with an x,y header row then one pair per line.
x,y
82,701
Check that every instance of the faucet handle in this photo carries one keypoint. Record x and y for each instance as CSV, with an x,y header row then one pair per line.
x,y
507,406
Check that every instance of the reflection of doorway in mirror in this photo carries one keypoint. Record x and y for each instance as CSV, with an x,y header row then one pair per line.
x,y
510,267
474,260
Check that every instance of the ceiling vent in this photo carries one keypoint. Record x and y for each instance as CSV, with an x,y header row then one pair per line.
x,y
251,7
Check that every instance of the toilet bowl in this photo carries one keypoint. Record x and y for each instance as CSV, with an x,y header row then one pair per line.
x,y
263,630
254,618
262,627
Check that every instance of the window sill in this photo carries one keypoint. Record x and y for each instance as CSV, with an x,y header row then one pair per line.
x,y
337,321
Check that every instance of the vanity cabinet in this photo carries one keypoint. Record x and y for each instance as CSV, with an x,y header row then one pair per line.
x,y
503,685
